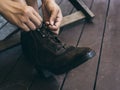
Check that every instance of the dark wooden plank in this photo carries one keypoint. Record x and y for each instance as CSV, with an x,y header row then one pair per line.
x,y
71,30
109,71
12,87
10,41
8,60
41,83
21,75
83,77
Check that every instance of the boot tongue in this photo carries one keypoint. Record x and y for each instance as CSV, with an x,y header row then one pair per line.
x,y
57,44
43,29
53,43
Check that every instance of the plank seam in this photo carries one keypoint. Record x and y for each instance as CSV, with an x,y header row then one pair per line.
x,y
101,47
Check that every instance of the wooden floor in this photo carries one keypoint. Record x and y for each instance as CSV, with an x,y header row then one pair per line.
x,y
100,73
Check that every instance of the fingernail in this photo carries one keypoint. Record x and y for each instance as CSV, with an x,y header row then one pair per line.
x,y
56,32
52,23
27,30
40,25
47,22
34,28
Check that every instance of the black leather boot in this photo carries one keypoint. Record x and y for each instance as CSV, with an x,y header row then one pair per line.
x,y
44,49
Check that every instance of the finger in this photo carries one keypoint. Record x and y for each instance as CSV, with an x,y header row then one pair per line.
x,y
34,20
45,15
47,23
58,20
28,22
53,16
24,27
31,25
57,31
53,27
37,15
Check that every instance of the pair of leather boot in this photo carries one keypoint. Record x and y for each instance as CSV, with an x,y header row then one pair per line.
x,y
47,52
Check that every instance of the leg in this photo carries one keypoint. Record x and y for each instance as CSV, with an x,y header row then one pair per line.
x,y
33,3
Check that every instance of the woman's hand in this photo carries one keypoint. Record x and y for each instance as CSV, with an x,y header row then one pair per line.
x,y
52,15
20,14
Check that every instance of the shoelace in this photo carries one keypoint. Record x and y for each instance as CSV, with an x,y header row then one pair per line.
x,y
45,32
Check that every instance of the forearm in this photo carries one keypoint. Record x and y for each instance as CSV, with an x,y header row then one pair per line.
x,y
11,6
21,1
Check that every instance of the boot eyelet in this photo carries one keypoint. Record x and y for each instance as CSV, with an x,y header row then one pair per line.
x,y
43,35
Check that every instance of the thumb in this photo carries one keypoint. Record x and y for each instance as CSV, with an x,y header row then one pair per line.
x,y
53,16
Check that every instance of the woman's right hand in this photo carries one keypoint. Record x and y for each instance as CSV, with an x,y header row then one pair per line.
x,y
20,14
